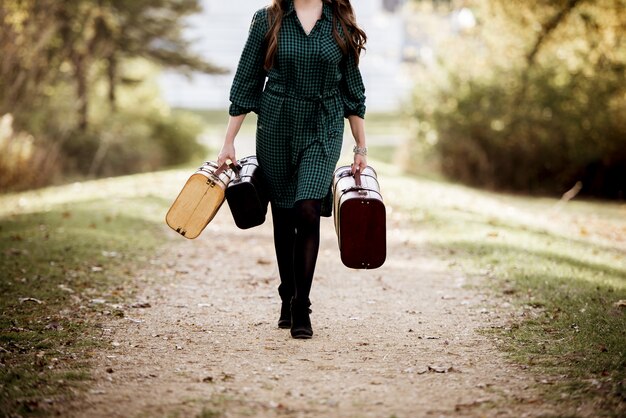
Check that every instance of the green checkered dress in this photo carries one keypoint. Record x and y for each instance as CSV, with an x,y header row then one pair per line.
x,y
301,108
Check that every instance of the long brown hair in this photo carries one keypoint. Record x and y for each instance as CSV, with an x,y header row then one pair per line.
x,y
352,42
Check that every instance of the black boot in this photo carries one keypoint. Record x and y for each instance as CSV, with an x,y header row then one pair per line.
x,y
285,315
300,320
286,294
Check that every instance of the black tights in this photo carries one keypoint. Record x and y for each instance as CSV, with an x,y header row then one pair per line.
x,y
297,242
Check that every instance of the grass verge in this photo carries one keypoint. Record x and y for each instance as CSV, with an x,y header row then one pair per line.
x,y
66,255
561,266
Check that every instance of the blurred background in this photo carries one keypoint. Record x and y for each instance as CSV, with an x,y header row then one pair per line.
x,y
521,96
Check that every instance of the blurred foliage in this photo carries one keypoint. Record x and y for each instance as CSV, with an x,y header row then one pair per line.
x,y
532,98
65,69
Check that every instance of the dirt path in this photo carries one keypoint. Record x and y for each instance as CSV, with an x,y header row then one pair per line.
x,y
398,341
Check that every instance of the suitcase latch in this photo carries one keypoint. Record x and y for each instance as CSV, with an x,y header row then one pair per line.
x,y
181,231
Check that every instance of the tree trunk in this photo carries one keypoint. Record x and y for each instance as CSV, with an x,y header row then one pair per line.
x,y
112,75
80,74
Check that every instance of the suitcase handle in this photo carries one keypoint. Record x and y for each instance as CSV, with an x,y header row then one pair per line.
x,y
236,168
220,170
357,182
357,178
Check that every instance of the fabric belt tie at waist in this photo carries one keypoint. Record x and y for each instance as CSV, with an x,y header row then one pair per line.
x,y
317,120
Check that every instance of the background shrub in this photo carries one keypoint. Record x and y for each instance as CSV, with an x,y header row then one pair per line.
x,y
45,145
502,118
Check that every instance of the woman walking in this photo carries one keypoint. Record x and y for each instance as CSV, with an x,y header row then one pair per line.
x,y
309,52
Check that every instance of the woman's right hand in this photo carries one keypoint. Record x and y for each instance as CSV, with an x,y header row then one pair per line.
x,y
227,153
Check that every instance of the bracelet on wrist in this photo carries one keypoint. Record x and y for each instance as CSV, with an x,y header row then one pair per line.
x,y
360,150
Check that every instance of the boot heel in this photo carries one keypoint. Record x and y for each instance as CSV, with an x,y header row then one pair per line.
x,y
300,320
284,321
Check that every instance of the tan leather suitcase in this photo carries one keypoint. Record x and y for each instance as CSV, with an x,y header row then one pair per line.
x,y
199,200
360,218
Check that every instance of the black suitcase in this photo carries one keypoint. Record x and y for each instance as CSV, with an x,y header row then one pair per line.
x,y
246,194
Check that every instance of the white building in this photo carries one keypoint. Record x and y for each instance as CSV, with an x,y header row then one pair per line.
x,y
219,34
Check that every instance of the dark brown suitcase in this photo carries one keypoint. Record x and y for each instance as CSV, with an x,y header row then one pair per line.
x,y
246,194
360,218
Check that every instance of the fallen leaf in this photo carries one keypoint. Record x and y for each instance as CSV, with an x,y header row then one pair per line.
x,y
141,305
65,288
97,301
97,392
208,379
15,252
22,300
18,329
620,304
441,369
96,269
263,262
477,402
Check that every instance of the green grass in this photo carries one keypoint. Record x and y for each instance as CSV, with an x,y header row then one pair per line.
x,y
563,266
63,247
209,413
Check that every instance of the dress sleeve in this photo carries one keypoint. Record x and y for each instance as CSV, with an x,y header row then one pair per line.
x,y
245,93
352,88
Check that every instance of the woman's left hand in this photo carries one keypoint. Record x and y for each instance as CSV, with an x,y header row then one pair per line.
x,y
360,162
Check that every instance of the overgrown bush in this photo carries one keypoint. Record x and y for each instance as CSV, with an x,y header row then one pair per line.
x,y
499,119
128,143
24,161
45,144
556,136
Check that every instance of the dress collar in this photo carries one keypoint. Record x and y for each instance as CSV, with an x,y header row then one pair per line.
x,y
327,10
